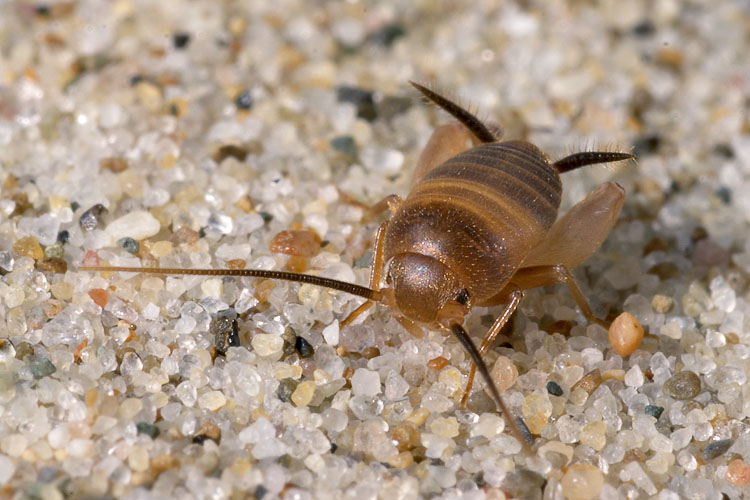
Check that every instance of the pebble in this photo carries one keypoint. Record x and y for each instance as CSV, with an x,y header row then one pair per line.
x,y
582,482
589,382
187,393
437,363
504,373
683,385
593,434
362,99
208,430
303,347
244,100
331,333
488,426
296,264
185,236
345,144
662,304
28,247
717,448
149,96
90,218
129,244
536,410
61,290
634,377
654,411
41,368
303,394
738,472
365,382
225,331
445,426
180,40
267,345
405,436
625,334
149,430
6,261
130,407
300,243
138,459
52,265
137,225
554,388
54,251
114,164
212,400
523,483
99,296
286,389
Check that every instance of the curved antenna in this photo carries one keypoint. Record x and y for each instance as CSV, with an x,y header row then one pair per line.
x,y
463,337
361,291
578,160
467,119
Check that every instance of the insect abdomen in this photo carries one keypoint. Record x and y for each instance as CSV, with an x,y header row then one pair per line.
x,y
480,213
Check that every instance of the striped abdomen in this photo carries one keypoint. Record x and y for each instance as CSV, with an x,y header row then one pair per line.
x,y
479,213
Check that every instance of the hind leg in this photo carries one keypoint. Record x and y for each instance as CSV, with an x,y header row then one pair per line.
x,y
446,142
580,232
570,241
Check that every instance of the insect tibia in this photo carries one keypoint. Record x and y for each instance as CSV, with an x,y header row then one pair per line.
x,y
584,158
466,117
343,286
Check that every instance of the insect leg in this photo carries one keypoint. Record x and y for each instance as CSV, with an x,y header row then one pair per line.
x,y
533,277
390,202
515,298
414,329
376,273
445,142
577,234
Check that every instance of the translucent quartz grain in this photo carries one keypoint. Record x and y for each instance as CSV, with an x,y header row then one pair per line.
x,y
331,333
365,382
582,482
267,345
303,394
593,434
536,410
488,426
504,373
138,225
212,400
445,426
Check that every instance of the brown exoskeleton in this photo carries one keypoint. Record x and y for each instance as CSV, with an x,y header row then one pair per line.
x,y
478,227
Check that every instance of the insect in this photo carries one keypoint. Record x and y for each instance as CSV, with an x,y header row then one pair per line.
x,y
478,227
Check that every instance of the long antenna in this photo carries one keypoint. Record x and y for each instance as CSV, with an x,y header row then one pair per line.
x,y
467,119
361,291
463,337
577,160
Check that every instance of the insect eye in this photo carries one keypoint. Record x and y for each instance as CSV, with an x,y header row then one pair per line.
x,y
463,297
